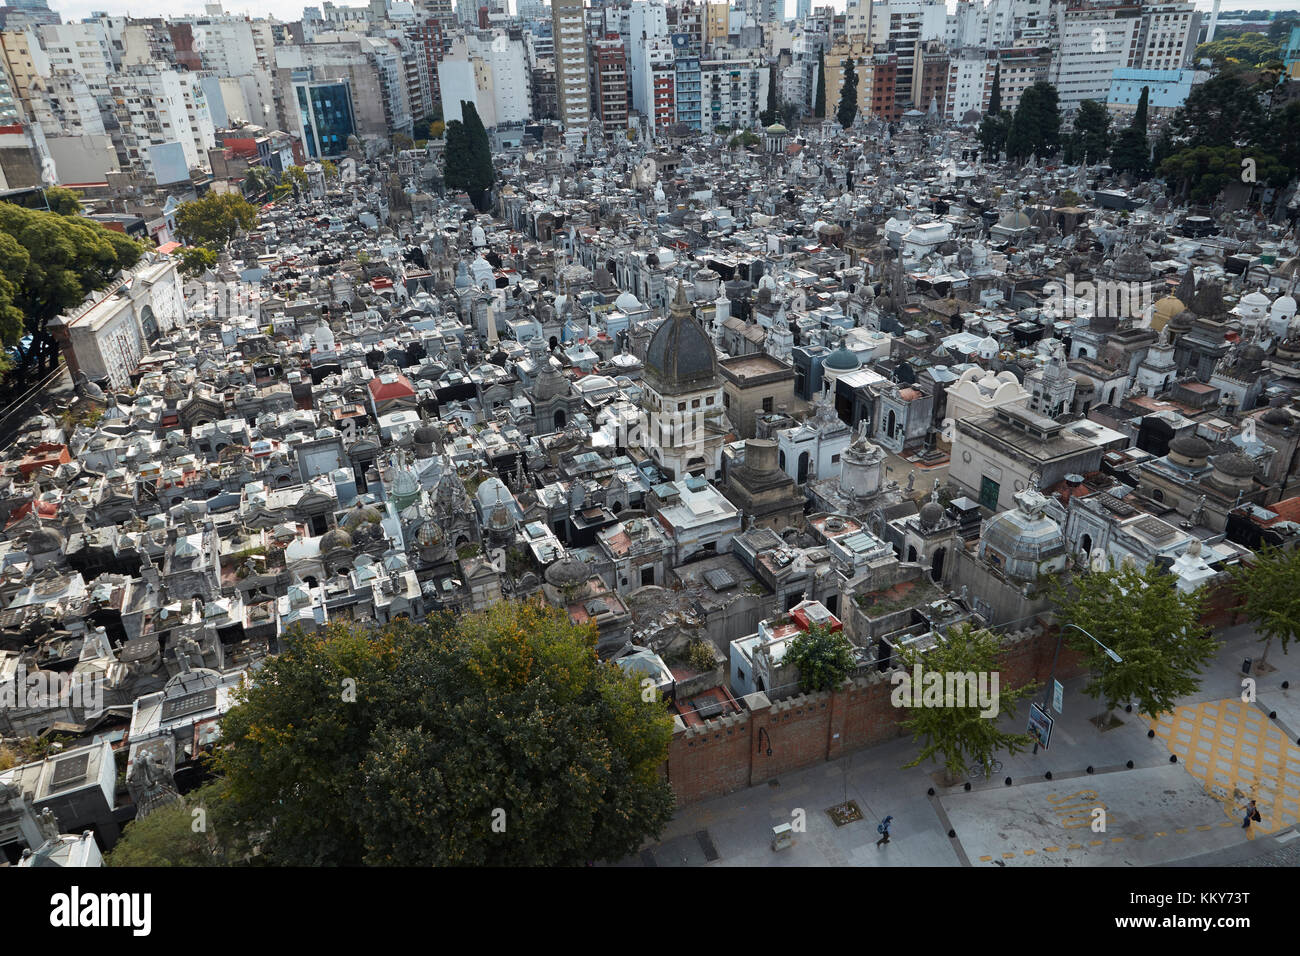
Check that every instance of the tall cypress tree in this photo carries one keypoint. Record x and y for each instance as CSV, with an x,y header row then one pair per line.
x,y
468,156
819,104
995,98
1132,152
1140,117
769,115
848,108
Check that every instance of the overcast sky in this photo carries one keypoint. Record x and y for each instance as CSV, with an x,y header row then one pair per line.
x,y
291,10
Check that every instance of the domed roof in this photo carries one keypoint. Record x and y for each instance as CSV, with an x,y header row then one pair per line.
x,y
1023,537
842,360
1235,465
567,571
1165,309
627,302
334,540
1276,417
931,514
425,435
1256,300
776,129
44,539
1284,305
1189,446
362,514
680,355
550,383
1014,219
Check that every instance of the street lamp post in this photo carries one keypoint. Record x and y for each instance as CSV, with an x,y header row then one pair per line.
x,y
1047,693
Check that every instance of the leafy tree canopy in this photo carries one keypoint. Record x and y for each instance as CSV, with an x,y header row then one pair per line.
x,y
1248,49
1153,626
824,658
216,219
487,739
961,732
196,260
176,835
1270,590
50,263
65,202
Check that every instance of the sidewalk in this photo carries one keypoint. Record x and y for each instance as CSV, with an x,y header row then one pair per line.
x,y
1157,813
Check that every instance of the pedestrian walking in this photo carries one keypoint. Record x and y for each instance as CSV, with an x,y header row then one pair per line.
x,y
1252,813
883,828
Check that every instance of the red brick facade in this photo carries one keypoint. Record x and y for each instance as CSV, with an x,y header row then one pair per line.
x,y
730,753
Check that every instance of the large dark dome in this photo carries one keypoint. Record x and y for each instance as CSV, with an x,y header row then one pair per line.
x,y
680,356
1235,465
1189,446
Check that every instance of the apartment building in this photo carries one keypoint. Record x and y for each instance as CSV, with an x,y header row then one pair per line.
x,y
610,81
571,78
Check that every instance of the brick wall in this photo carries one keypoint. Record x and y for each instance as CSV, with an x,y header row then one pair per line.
x,y
730,753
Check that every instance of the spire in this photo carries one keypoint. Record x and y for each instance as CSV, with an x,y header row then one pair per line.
x,y
680,304
1187,287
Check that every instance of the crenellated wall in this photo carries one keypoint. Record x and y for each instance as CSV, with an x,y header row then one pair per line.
x,y
729,753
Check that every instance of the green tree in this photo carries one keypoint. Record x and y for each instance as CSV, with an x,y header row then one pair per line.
x,y
468,156
1202,172
330,168
1035,128
1269,587
824,658
819,101
1248,49
216,219
167,836
848,107
196,260
995,96
1225,110
1140,114
1143,617
402,141
993,134
1131,153
48,264
958,729
260,180
296,176
65,202
1090,141
769,115
450,721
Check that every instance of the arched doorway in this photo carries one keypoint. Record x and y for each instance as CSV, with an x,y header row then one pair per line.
x,y
560,419
1086,544
890,424
911,554
936,563
803,467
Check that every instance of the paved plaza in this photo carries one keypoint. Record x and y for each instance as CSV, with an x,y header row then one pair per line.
x,y
1155,813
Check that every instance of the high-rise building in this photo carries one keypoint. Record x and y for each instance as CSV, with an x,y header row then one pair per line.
x,y
647,22
1095,40
611,85
324,115
571,77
